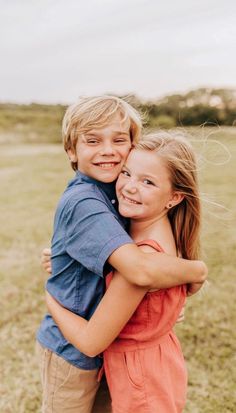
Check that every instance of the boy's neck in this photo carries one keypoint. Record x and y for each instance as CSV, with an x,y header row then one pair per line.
x,y
107,188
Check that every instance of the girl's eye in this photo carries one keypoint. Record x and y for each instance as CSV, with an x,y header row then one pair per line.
x,y
148,182
126,173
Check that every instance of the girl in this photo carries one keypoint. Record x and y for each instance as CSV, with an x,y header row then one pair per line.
x,y
158,190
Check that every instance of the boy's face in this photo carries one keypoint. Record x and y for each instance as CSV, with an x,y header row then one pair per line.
x,y
101,153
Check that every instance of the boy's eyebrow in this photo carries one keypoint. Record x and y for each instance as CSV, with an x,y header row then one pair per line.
x,y
96,132
121,132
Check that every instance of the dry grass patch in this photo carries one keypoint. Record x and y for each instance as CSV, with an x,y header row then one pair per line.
x,y
33,178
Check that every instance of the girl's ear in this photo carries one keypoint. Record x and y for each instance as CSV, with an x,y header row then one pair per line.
x,y
176,198
72,155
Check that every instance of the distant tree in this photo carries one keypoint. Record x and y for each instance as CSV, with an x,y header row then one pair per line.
x,y
162,121
198,114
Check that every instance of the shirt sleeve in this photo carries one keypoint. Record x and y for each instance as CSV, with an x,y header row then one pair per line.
x,y
93,233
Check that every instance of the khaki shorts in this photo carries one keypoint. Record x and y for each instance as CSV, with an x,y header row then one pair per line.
x,y
66,388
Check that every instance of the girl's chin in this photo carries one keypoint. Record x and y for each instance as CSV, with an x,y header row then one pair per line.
x,y
126,213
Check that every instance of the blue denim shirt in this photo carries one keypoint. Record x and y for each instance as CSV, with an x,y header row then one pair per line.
x,y
87,230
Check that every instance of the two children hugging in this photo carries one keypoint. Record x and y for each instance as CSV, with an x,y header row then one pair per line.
x,y
158,199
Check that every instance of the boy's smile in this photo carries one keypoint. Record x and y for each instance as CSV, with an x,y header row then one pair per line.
x,y
106,165
100,153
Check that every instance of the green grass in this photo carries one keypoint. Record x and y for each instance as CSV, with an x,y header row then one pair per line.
x,y
32,179
30,123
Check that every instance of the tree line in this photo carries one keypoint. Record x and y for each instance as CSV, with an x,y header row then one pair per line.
x,y
205,106
202,106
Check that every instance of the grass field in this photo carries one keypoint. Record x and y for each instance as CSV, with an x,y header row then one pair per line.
x,y
32,178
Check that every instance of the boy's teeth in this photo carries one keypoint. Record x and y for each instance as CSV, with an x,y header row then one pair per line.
x,y
106,165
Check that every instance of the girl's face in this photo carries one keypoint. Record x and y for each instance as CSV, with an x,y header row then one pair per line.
x,y
144,188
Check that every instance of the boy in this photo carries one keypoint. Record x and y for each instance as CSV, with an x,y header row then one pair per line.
x,y
89,236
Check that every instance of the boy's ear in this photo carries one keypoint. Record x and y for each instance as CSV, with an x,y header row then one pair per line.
x,y
72,155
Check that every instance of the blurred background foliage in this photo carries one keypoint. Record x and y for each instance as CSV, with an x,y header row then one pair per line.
x,y
42,123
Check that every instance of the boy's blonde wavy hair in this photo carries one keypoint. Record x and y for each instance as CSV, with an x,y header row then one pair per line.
x,y
96,112
179,157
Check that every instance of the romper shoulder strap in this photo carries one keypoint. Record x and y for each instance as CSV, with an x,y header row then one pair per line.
x,y
152,243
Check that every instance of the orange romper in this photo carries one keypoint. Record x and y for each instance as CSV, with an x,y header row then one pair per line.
x,y
144,366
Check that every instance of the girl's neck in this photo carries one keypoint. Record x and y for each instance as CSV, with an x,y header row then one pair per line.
x,y
158,229
140,229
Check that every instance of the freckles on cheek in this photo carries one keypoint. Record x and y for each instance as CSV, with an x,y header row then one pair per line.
x,y
126,152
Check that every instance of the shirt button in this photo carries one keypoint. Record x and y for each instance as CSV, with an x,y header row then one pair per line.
x,y
113,201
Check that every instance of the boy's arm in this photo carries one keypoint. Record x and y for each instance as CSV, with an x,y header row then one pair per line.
x,y
94,236
156,270
115,309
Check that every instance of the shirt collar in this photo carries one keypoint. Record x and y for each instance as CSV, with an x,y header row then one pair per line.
x,y
108,188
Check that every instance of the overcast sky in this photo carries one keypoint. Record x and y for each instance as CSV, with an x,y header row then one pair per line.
x,y
57,50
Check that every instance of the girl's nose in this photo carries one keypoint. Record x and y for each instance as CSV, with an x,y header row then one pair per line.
x,y
131,187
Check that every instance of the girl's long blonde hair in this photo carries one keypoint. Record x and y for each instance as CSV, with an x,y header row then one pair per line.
x,y
179,157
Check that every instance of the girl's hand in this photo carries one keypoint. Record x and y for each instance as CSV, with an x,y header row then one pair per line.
x,y
51,303
46,260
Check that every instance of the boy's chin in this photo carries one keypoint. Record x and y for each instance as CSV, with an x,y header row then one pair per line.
x,y
107,180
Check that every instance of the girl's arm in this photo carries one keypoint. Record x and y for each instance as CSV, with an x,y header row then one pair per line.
x,y
46,260
115,309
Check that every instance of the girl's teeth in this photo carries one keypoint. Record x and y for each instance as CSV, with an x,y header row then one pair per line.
x,y
129,200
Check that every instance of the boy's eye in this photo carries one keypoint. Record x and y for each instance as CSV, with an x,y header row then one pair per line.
x,y
121,140
92,141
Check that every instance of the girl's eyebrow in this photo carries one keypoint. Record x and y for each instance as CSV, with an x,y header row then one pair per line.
x,y
143,175
150,176
124,166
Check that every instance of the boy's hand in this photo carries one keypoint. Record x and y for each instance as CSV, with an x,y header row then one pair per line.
x,y
181,316
46,260
193,288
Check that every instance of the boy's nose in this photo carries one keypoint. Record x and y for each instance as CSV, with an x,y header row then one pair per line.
x,y
107,149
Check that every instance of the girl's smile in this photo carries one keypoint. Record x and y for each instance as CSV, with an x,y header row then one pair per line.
x,y
143,187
